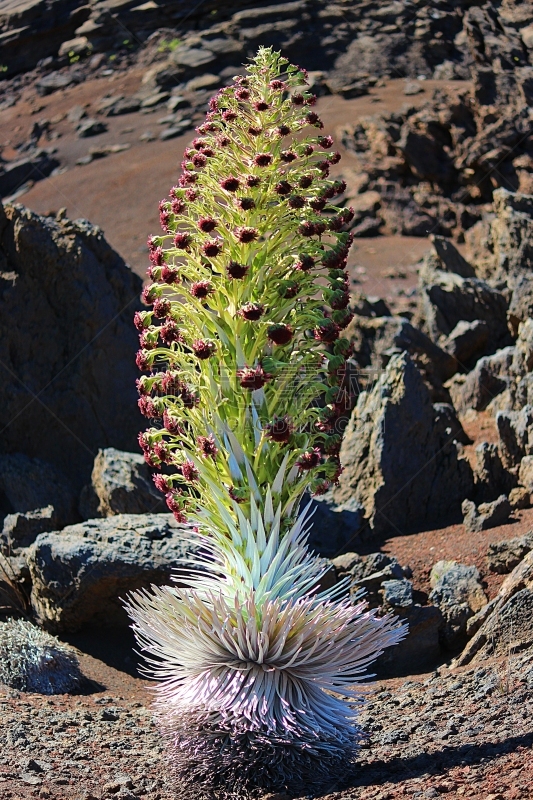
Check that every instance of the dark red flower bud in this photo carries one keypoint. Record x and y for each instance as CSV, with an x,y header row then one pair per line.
x,y
339,300
246,235
208,152
327,332
199,160
213,104
171,383
143,441
222,141
156,256
169,275
190,471
170,333
178,206
142,361
149,294
201,289
207,224
320,227
175,502
309,459
310,100
141,320
280,333
323,166
182,240
308,150
287,156
230,184
260,105
212,247
317,204
305,263
306,229
326,142
242,94
162,308
263,159
207,445
198,143
187,178
305,181
340,187
203,348
191,194
297,99
147,408
283,187
229,116
252,377
163,452
279,430
172,424
254,131
162,483
236,270
290,289
147,342
296,201
252,311
246,203
283,130
276,84
150,459
252,181
334,158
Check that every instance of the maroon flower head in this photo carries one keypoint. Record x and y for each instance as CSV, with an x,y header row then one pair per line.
x,y
253,130
334,158
201,289
279,430
175,502
317,204
283,130
309,459
163,452
203,348
326,142
327,332
236,270
189,470
142,361
260,105
198,143
339,300
340,187
246,203
252,377
172,424
323,166
246,235
242,94
305,181
143,441
283,187
297,99
230,184
156,256
147,342
229,116
199,160
305,263
191,194
312,118
141,320
296,201
320,487
207,224
280,333
252,311
253,181
149,294
187,178
177,205
171,384
164,214
263,159
212,247
170,333
182,240
308,150
287,156
320,227
276,84
162,483
222,141
162,308
207,446
169,275
307,229
213,104
208,152
147,408
290,289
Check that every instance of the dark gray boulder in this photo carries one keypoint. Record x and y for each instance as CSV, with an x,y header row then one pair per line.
x,y
334,526
503,557
405,471
491,478
486,515
490,377
458,593
120,484
81,575
67,342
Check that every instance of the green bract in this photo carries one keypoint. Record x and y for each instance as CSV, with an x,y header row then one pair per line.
x,y
249,298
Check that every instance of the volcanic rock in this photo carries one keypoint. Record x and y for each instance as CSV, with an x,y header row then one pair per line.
x,y
504,556
458,593
489,378
397,463
82,574
67,343
486,515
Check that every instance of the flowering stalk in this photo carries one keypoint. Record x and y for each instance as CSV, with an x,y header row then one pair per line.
x,y
244,355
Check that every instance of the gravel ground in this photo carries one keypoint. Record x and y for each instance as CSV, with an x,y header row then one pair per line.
x,y
464,733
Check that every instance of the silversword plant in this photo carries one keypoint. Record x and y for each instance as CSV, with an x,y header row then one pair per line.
x,y
244,358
